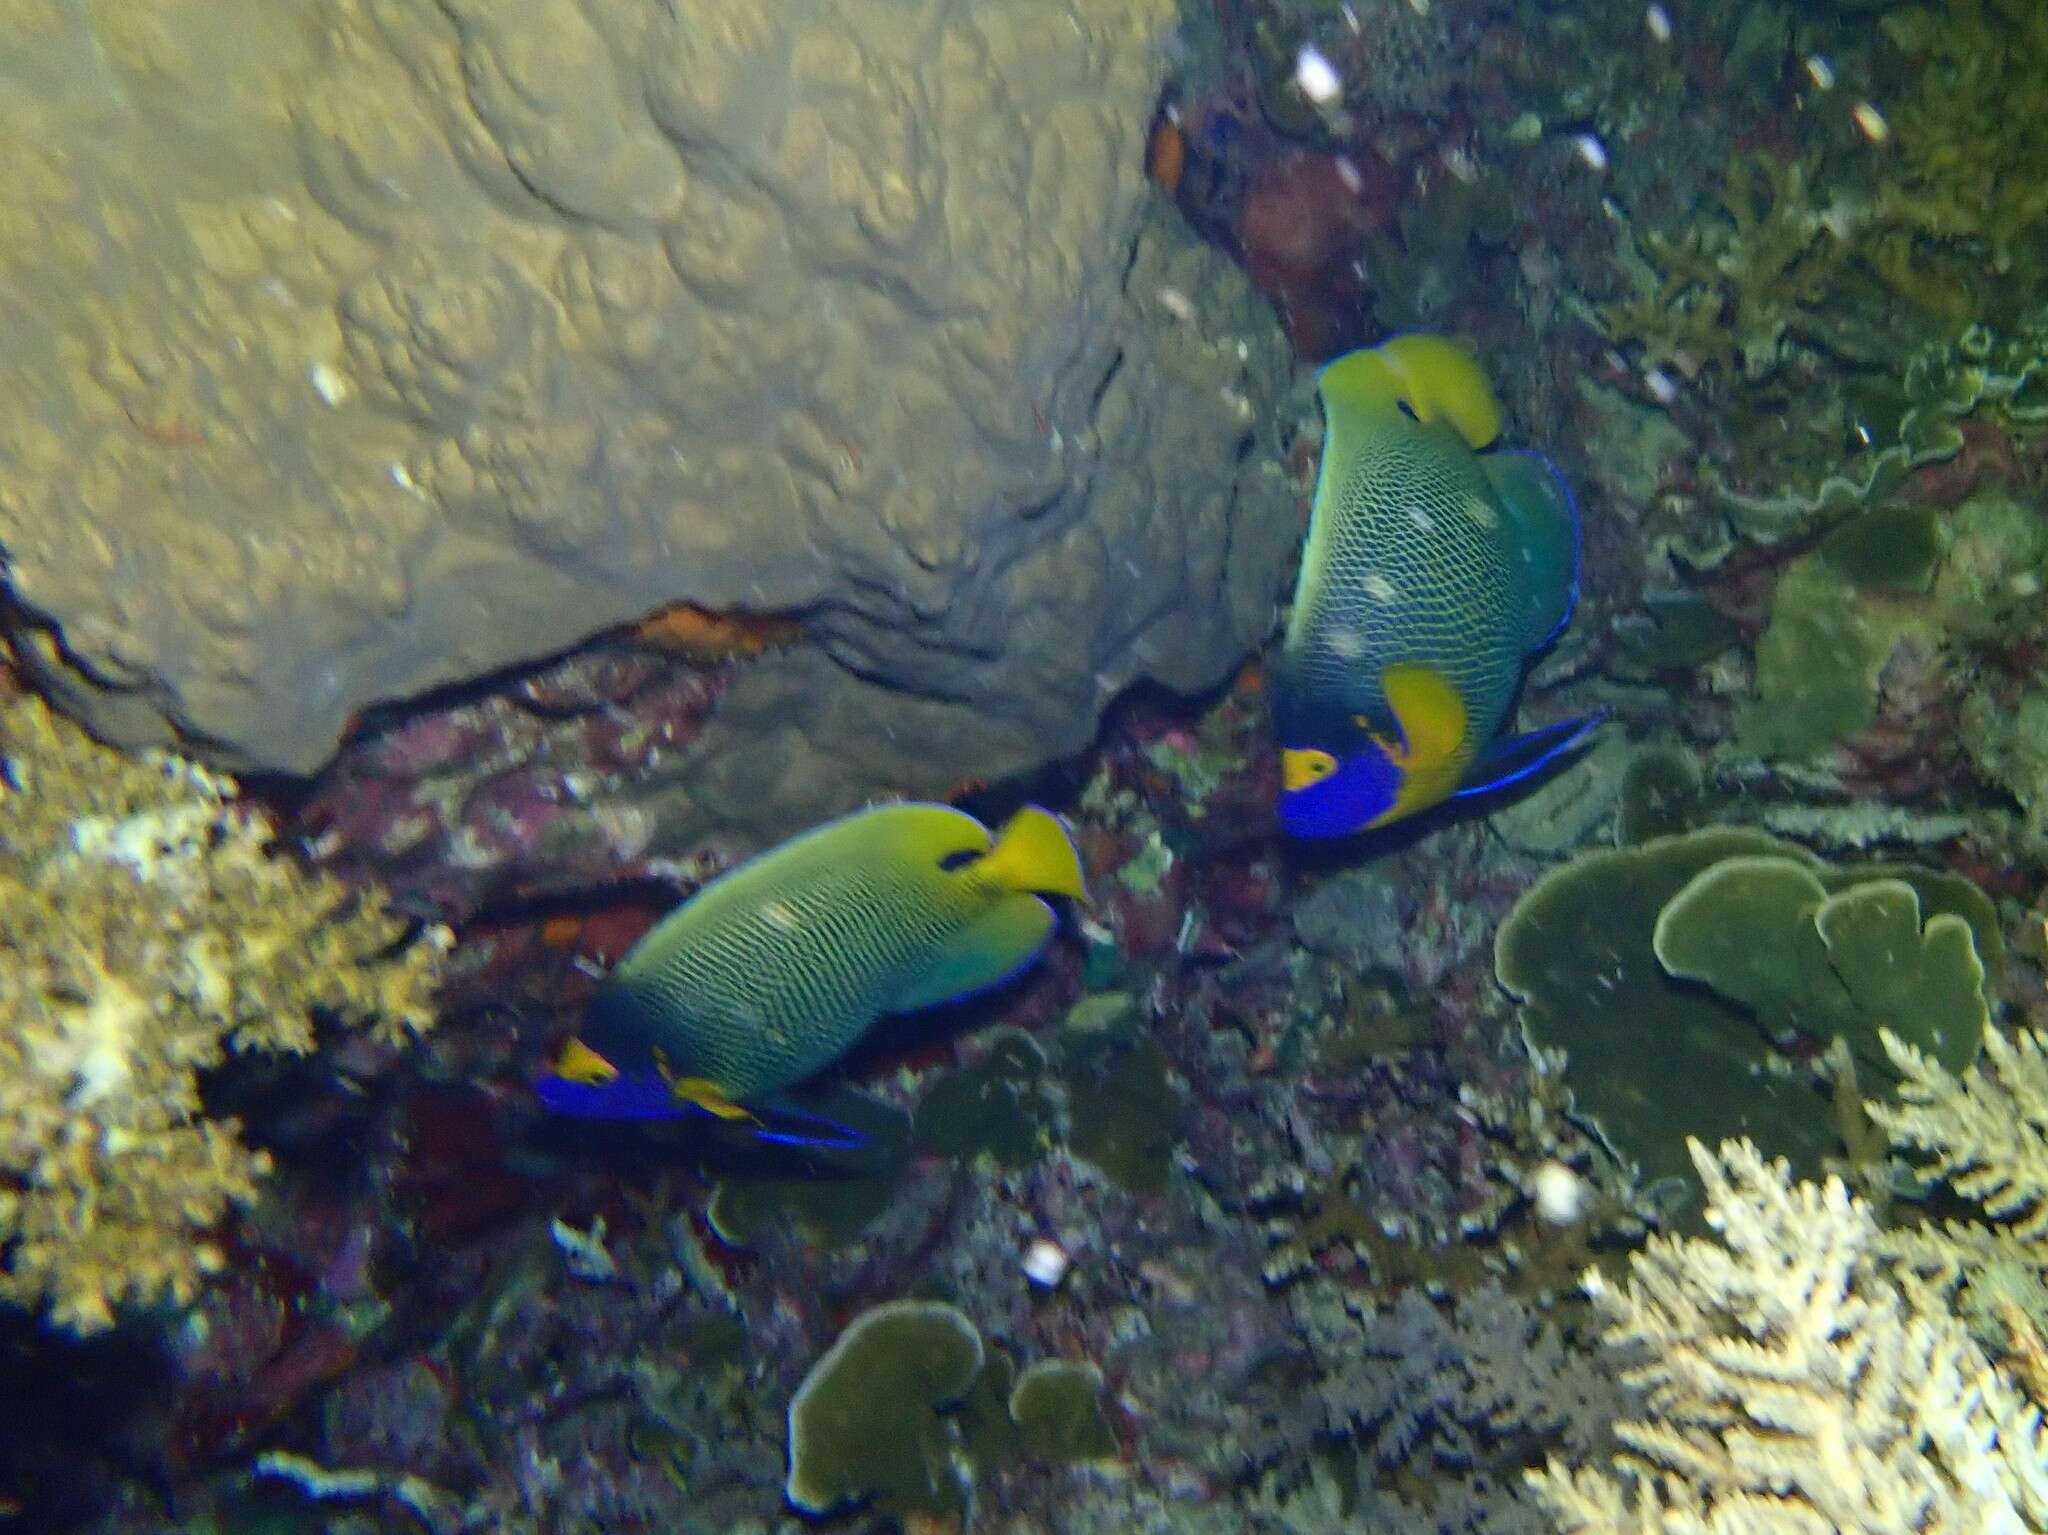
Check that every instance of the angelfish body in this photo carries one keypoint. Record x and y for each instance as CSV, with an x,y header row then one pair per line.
x,y
1431,572
776,969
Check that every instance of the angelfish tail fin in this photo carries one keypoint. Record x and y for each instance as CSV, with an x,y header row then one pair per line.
x,y
1514,758
1545,519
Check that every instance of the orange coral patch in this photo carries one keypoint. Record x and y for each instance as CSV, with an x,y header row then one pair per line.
x,y
1166,157
700,635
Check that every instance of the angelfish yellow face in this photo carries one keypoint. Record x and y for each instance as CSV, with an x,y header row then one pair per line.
x,y
579,1063
1300,767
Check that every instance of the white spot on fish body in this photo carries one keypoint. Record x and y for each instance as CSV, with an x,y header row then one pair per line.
x,y
1380,589
1346,644
1481,512
1422,520
781,916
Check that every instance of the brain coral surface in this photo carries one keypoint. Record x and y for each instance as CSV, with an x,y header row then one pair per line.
x,y
348,351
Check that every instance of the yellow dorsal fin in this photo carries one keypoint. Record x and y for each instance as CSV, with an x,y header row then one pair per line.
x,y
1034,853
1440,381
708,1096
579,1063
1431,714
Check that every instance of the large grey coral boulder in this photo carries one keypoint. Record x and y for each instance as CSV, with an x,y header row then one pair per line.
x,y
349,351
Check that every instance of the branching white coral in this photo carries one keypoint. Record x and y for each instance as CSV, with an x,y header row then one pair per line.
x,y
1793,1386
1987,1131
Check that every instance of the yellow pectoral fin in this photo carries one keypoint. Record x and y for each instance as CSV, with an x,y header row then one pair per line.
x,y
709,1097
1434,725
1034,853
1432,716
579,1063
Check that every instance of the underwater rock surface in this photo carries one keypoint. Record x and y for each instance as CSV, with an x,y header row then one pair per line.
x,y
355,353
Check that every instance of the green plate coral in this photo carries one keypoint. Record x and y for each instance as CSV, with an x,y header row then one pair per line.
x,y
1672,972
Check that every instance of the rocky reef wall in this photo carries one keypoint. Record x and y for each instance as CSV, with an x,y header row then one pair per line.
x,y
353,352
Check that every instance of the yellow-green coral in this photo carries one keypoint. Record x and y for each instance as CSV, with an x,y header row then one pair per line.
x,y
1972,133
148,928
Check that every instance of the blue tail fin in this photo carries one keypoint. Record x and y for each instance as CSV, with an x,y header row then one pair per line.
x,y
1511,759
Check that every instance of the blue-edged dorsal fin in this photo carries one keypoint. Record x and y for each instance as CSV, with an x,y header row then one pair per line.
x,y
1511,759
1545,520
985,953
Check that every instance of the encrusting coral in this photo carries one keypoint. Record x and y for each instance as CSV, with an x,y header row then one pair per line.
x,y
147,929
1809,1369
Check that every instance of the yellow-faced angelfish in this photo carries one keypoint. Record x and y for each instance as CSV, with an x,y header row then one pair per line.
x,y
1431,572
776,969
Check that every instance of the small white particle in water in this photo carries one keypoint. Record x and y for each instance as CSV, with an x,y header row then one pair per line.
x,y
1046,1264
328,384
1419,7
1658,20
1591,150
1560,1194
1347,172
1662,389
1820,72
1317,77
1177,304
1871,122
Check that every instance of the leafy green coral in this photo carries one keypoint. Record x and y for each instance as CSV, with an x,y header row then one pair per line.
x,y
868,1421
1669,971
1766,931
999,1106
1057,1407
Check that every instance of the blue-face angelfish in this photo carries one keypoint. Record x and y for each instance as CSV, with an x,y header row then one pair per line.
x,y
1432,571
776,969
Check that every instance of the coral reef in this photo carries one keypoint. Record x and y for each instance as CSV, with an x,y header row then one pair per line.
x,y
1790,1383
534,326
1606,953
150,931
865,1423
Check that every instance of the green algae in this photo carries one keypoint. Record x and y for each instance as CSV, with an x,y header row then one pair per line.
x,y
1769,934
1818,662
999,1107
1649,1061
869,1422
1124,1114
836,1196
1672,972
1676,631
1057,1407
1662,793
